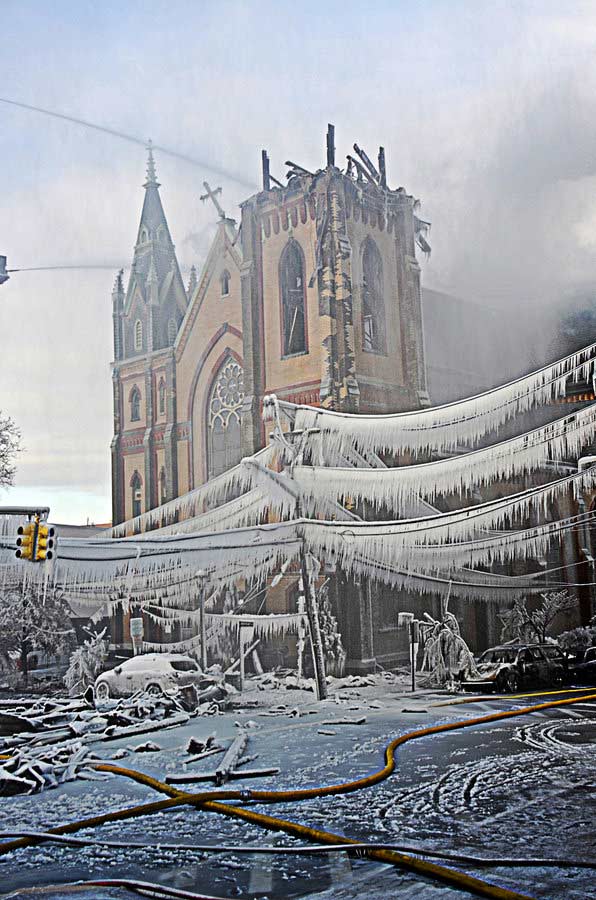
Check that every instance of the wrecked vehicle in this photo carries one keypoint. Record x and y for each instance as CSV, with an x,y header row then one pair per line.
x,y
153,673
584,672
512,667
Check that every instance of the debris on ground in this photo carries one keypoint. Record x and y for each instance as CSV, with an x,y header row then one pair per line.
x,y
282,680
45,741
361,720
147,747
199,745
31,769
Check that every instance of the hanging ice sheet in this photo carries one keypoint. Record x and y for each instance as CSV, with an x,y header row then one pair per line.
x,y
364,548
193,503
224,557
394,488
440,428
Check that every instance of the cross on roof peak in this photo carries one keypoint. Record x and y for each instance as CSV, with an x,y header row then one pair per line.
x,y
212,195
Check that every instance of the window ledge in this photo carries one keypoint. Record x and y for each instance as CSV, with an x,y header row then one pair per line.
x,y
293,355
375,352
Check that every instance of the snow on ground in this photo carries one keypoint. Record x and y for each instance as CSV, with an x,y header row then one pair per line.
x,y
518,788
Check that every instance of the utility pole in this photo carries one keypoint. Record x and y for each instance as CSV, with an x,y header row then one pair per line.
x,y
4,276
312,613
201,576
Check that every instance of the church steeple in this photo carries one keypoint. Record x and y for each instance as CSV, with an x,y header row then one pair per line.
x,y
156,292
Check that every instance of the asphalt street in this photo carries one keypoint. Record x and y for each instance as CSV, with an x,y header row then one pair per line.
x,y
520,788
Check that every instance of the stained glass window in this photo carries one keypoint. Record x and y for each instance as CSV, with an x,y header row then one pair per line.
x,y
161,392
373,300
138,335
293,299
223,424
135,404
136,484
225,283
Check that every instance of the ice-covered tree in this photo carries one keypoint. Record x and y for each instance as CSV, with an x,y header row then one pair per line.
x,y
579,639
10,438
86,662
34,617
526,624
445,652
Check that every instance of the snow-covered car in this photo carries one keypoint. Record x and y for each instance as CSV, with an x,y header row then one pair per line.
x,y
515,666
150,672
584,672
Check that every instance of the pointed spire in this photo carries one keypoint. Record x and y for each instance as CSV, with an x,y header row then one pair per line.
x,y
118,283
192,282
151,174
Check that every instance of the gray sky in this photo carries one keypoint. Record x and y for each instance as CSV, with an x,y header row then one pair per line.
x,y
487,111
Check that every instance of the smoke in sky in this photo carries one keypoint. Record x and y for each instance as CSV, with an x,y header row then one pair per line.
x,y
487,113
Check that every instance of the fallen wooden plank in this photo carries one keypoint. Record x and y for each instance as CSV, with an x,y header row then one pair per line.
x,y
210,752
360,721
234,752
232,775
234,665
251,773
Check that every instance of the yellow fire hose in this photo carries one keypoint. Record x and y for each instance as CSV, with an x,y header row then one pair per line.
x,y
211,801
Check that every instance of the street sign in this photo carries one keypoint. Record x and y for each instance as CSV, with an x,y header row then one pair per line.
x,y
136,628
247,630
136,634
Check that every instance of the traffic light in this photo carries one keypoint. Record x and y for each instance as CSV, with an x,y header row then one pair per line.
x,y
45,542
26,541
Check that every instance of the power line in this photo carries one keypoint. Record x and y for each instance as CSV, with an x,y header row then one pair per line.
x,y
133,139
60,268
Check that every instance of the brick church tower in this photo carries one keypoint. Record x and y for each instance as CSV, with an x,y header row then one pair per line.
x,y
315,297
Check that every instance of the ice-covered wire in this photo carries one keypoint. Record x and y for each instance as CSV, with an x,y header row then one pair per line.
x,y
285,850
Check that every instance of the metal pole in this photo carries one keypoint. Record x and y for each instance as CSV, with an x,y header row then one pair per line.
x,y
203,627
241,661
414,641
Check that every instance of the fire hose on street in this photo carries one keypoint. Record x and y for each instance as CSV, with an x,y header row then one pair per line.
x,y
217,801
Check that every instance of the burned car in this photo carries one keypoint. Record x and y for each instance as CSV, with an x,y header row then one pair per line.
x,y
512,667
154,673
584,672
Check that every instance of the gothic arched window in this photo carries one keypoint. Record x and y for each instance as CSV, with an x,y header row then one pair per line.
x,y
293,300
135,404
136,484
373,299
224,444
144,235
225,283
163,486
161,396
138,335
172,330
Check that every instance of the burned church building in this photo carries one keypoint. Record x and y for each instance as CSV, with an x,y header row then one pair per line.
x,y
315,296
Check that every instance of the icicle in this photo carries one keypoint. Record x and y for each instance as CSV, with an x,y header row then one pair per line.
x,y
442,428
395,488
191,504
